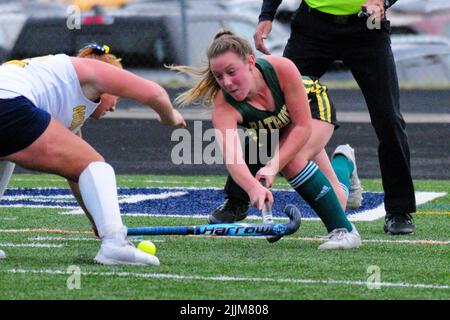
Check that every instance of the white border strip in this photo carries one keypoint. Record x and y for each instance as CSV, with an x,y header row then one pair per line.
x,y
379,212
62,239
433,242
236,279
131,238
369,215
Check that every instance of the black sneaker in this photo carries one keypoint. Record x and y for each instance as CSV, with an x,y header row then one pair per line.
x,y
399,224
231,210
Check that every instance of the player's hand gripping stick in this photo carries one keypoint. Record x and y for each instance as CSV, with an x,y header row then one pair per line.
x,y
266,211
268,216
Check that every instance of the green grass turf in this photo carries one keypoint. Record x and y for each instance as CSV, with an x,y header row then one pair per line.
x,y
206,268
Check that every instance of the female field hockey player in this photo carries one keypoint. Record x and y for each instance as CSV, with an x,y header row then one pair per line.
x,y
44,102
268,93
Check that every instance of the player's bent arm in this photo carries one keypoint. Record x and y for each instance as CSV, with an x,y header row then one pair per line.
x,y
225,120
297,134
105,78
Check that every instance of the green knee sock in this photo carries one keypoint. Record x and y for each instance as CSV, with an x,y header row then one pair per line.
x,y
313,186
343,169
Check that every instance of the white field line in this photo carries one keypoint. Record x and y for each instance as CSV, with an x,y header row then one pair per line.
x,y
131,188
80,239
62,239
171,182
45,231
234,279
40,206
433,242
55,198
31,245
379,241
32,179
179,183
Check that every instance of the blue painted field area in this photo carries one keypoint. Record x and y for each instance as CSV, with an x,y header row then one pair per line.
x,y
167,201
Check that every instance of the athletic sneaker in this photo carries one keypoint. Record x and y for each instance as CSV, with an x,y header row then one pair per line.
x,y
355,193
398,224
341,238
116,250
2,254
232,210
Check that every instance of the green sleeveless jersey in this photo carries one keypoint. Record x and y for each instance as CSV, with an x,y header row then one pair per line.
x,y
254,118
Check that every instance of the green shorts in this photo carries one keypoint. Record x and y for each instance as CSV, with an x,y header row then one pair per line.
x,y
322,107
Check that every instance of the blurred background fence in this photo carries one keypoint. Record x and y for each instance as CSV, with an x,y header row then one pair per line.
x,y
149,34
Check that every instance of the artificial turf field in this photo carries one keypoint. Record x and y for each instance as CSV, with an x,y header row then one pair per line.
x,y
45,250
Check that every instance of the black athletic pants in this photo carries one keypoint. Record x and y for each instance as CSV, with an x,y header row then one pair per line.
x,y
316,41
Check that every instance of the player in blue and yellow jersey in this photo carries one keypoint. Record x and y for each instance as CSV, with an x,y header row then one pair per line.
x,y
44,102
269,94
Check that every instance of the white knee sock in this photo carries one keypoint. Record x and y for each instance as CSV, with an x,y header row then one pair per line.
x,y
6,171
99,192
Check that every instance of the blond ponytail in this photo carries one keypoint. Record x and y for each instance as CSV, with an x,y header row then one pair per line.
x,y
207,87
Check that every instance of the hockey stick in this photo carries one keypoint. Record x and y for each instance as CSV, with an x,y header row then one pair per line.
x,y
266,211
268,216
230,229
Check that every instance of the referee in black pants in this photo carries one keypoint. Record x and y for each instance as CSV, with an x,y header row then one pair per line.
x,y
324,31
